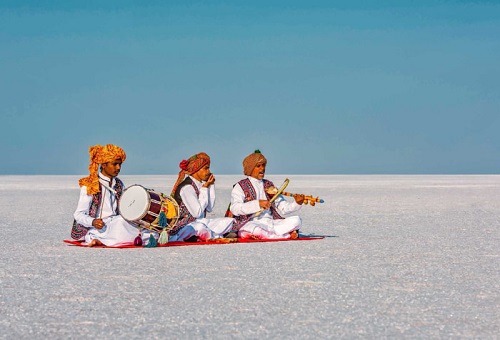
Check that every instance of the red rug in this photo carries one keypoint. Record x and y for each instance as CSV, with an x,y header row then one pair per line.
x,y
180,244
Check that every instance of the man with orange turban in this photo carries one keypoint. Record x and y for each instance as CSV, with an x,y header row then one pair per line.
x,y
97,221
250,195
194,191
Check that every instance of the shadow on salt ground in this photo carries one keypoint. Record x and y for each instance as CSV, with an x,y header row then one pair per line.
x,y
317,235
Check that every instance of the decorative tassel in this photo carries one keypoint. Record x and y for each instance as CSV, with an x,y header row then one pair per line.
x,y
162,221
152,242
138,241
163,237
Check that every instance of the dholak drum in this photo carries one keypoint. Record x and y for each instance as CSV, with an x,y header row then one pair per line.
x,y
143,207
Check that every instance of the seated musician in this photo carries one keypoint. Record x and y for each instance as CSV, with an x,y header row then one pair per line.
x,y
249,196
195,195
97,221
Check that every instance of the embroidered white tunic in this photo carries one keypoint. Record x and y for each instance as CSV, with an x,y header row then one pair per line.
x,y
264,226
116,230
204,228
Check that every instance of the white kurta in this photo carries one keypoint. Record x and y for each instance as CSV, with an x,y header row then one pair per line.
x,y
204,228
264,226
116,231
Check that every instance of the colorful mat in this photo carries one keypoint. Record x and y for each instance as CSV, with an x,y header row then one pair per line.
x,y
181,244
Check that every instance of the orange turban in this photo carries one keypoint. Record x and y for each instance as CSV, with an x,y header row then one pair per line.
x,y
100,155
191,166
251,161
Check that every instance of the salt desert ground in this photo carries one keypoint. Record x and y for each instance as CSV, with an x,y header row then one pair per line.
x,y
403,257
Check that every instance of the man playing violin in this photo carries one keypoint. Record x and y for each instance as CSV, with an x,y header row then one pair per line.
x,y
253,194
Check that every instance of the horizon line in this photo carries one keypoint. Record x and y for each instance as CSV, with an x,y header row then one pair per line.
x,y
288,174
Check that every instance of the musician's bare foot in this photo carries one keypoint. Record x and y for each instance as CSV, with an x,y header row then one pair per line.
x,y
231,235
95,242
294,235
223,240
248,235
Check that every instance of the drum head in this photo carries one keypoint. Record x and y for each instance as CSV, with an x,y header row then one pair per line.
x,y
134,203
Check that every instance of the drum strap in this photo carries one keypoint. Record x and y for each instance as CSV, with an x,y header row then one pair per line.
x,y
106,185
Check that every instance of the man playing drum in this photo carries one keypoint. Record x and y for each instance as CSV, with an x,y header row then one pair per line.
x,y
195,195
250,195
97,221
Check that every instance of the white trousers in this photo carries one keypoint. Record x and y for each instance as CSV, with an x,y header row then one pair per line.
x,y
116,231
204,229
267,228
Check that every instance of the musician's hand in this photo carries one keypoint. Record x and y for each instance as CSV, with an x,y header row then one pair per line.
x,y
299,198
264,204
210,181
98,223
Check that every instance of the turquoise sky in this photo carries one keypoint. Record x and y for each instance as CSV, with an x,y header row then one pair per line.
x,y
320,87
